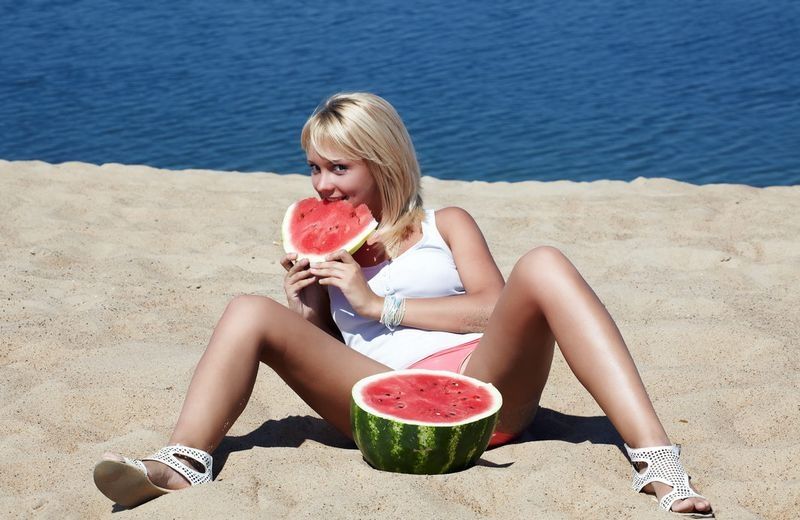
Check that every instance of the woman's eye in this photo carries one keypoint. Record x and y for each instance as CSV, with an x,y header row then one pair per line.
x,y
314,168
339,167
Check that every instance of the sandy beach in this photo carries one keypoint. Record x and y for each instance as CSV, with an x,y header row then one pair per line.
x,y
113,278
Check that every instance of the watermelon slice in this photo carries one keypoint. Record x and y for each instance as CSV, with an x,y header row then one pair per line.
x,y
313,228
423,421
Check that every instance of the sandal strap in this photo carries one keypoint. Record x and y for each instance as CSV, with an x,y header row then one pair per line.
x,y
167,456
663,465
138,464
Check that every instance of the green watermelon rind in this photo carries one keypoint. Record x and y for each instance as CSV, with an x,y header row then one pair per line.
x,y
351,246
418,447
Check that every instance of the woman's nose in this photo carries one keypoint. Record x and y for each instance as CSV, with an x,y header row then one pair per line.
x,y
324,182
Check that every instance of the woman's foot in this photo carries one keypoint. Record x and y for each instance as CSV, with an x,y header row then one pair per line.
x,y
130,482
658,470
159,473
688,505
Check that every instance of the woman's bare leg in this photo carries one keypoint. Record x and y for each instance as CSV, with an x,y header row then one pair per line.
x,y
547,300
252,330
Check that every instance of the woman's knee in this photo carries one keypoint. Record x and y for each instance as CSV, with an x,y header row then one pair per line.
x,y
249,315
542,264
542,272
249,306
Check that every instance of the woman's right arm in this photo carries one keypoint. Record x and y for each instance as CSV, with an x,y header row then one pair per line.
x,y
305,296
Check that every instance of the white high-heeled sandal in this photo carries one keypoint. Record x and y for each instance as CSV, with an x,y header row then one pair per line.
x,y
664,465
126,481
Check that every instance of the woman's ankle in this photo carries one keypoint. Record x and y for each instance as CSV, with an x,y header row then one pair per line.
x,y
649,439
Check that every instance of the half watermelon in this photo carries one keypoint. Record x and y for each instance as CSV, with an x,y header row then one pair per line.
x,y
313,228
423,421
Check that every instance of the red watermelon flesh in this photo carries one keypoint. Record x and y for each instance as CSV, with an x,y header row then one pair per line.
x,y
313,228
430,398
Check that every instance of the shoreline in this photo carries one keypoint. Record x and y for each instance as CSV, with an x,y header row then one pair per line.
x,y
31,163
114,276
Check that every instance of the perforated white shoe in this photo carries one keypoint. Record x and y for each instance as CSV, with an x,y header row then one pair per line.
x,y
126,481
664,465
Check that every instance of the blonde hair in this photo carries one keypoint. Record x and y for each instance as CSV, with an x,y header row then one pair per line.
x,y
365,126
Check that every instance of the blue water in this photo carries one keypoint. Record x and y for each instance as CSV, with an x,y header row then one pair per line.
x,y
700,91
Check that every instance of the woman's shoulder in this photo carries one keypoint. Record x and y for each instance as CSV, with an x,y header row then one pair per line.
x,y
453,215
453,219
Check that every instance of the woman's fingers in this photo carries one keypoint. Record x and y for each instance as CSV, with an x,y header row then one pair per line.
x,y
342,256
328,270
289,260
326,266
329,273
339,269
298,267
295,286
294,277
302,284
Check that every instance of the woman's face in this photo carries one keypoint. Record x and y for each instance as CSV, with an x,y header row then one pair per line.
x,y
337,178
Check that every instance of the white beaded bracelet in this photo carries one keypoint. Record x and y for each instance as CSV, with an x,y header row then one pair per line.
x,y
394,309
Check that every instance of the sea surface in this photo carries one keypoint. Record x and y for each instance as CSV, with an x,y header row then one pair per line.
x,y
508,90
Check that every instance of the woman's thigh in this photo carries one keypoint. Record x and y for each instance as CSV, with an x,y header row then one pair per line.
x,y
516,351
318,367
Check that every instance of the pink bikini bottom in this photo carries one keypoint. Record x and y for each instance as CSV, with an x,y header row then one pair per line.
x,y
454,359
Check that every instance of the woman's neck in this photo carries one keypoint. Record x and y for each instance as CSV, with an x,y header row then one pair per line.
x,y
370,254
374,253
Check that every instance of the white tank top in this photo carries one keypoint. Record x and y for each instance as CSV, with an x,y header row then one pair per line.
x,y
426,270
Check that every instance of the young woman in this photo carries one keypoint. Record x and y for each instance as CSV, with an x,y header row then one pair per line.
x,y
423,292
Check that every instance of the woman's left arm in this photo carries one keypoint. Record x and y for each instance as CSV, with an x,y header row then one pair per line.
x,y
479,274
468,312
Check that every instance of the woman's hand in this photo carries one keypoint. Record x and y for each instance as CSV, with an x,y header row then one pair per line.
x,y
303,295
340,270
